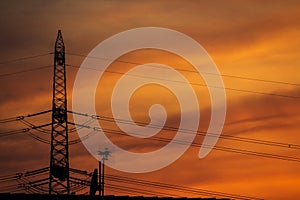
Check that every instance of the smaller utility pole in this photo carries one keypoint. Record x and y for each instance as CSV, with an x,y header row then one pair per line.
x,y
104,155
100,182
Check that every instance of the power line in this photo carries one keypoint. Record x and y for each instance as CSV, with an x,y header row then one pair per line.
x,y
35,181
27,70
137,190
39,128
161,139
134,191
196,84
168,128
76,141
24,131
220,148
136,63
30,126
178,188
192,71
147,77
21,117
25,58
45,141
201,133
14,132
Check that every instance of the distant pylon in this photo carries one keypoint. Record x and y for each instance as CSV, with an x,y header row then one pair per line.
x,y
59,155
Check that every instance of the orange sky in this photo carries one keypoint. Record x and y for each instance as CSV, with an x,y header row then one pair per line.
x,y
255,39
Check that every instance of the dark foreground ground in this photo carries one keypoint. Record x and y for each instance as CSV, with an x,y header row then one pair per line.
x,y
85,197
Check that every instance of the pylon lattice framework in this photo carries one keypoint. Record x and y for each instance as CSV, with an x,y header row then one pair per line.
x,y
59,154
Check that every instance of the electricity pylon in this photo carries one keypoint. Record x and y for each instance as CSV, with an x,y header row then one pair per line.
x,y
59,155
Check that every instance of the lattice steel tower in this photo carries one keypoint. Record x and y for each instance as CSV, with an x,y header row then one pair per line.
x,y
59,155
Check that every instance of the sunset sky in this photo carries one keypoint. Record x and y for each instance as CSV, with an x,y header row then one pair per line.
x,y
255,45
